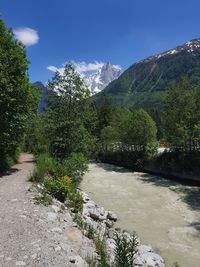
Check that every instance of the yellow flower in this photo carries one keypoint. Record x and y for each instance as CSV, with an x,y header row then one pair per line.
x,y
68,181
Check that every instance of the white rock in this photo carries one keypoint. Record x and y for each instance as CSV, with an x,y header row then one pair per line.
x,y
56,230
55,208
51,216
112,216
20,263
57,248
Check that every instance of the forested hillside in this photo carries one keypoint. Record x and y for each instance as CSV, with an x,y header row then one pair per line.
x,y
144,83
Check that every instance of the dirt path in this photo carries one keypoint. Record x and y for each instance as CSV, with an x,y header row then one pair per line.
x,y
35,235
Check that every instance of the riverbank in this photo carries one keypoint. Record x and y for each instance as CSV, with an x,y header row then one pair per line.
x,y
102,221
151,167
162,212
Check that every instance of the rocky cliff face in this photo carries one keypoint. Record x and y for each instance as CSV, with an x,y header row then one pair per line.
x,y
97,81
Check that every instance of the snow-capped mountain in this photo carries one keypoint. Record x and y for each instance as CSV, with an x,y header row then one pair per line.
x,y
145,82
97,81
192,46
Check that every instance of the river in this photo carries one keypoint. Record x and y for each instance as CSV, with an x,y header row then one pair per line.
x,y
162,212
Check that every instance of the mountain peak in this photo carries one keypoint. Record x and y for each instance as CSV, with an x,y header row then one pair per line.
x,y
97,81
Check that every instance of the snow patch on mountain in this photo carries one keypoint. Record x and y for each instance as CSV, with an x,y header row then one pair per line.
x,y
96,76
189,47
98,80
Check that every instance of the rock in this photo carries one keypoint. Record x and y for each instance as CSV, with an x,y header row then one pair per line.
x,y
55,208
72,260
79,262
144,249
34,256
149,258
51,216
20,263
57,248
85,197
109,223
56,230
112,216
94,214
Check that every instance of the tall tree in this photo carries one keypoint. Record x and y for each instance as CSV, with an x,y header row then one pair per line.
x,y
17,97
182,116
67,116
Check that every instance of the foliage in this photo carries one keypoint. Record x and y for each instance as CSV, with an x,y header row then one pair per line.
x,y
75,166
75,200
45,166
101,250
125,251
176,264
144,84
140,129
44,199
129,131
104,113
58,188
182,116
36,140
18,99
67,133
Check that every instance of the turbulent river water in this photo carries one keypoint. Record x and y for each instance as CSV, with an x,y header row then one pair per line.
x,y
163,213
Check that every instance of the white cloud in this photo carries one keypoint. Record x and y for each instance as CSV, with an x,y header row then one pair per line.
x,y
27,36
54,69
81,67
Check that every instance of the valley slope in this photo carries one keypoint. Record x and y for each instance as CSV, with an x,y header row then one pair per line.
x,y
143,83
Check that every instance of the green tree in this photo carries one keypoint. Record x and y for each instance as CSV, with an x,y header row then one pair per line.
x,y
182,116
18,99
67,116
104,113
140,130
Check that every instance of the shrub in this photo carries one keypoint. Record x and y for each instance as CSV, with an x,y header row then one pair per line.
x,y
125,251
101,250
75,166
175,264
75,200
58,188
45,166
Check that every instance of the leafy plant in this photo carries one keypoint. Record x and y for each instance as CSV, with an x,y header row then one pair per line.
x,y
125,251
101,250
58,188
75,200
45,166
175,264
75,166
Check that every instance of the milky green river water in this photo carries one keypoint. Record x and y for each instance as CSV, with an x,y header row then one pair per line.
x,y
163,213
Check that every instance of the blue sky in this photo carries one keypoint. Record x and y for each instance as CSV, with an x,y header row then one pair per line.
x,y
119,31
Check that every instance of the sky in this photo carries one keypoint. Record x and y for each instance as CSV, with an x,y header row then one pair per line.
x,y
90,32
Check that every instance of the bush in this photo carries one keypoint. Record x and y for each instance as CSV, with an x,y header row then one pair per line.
x,y
75,166
45,166
58,188
125,251
8,161
75,200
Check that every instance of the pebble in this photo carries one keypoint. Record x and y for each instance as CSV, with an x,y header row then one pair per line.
x,y
72,259
20,263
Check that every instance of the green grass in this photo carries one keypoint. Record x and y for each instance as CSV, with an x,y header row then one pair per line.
x,y
45,166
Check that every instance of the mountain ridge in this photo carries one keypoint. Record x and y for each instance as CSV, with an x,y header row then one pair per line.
x,y
144,82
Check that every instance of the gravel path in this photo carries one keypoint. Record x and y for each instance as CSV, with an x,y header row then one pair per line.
x,y
35,235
